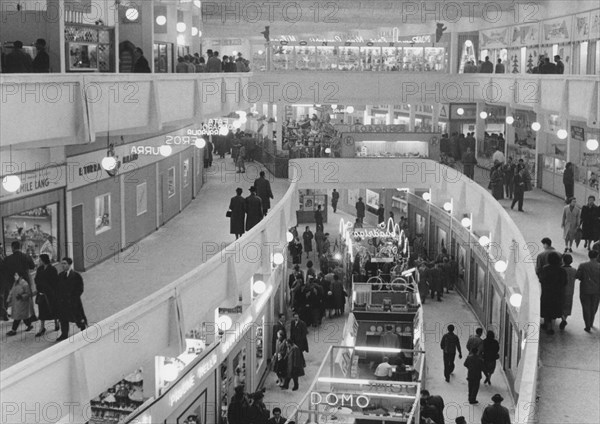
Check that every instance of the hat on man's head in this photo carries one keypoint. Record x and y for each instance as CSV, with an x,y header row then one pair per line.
x,y
252,189
460,420
497,398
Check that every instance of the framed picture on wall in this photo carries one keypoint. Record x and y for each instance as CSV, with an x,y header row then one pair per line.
x,y
141,195
82,57
480,285
186,171
420,228
372,201
442,242
102,213
171,182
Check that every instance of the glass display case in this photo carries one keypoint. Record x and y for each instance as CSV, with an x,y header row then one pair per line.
x,y
119,401
260,343
36,229
259,61
349,59
327,58
435,58
559,166
413,59
392,149
549,164
370,58
390,58
282,58
589,170
303,57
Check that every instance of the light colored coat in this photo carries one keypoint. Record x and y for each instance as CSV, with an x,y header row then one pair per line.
x,y
21,308
570,221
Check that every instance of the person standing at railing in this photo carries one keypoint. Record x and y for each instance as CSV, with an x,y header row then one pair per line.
x,y
487,67
17,61
141,65
214,63
469,161
41,63
500,67
560,66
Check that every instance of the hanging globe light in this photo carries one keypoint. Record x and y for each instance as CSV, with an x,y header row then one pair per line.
x,y
483,115
165,150
466,222
484,241
259,287
516,299
108,163
224,322
448,207
592,144
170,372
278,258
562,134
11,183
289,237
536,126
161,20
510,120
181,26
200,143
194,31
350,109
426,196
460,111
223,130
132,14
500,266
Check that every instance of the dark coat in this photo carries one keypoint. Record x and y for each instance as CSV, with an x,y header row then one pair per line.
x,y
142,66
68,297
277,328
21,263
307,237
491,349
590,222
495,414
295,362
237,205
360,209
17,62
569,176
335,197
338,295
263,190
497,183
41,63
475,367
554,281
254,211
237,412
318,218
380,215
46,283
298,333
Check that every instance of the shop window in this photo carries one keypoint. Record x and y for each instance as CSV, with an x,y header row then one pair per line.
x,y
372,201
36,230
141,198
103,215
420,224
120,400
171,185
260,343
186,171
480,285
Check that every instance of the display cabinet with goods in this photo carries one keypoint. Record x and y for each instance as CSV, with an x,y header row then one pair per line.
x,y
118,402
35,229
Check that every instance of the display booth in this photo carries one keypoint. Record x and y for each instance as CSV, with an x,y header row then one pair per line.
x,y
388,141
309,202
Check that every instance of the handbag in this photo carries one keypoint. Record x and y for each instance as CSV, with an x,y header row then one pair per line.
x,y
228,214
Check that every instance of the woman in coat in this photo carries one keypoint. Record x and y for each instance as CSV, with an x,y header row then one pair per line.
x,y
239,161
338,296
46,282
569,180
569,289
279,358
570,223
295,365
237,206
553,279
497,182
21,302
307,238
490,352
590,220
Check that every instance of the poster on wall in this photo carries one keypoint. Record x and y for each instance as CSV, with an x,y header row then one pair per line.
x,y
102,213
582,27
526,34
557,30
493,38
141,198
480,285
577,133
372,201
595,24
420,227
352,196
36,230
462,257
186,170
171,182
442,243
496,311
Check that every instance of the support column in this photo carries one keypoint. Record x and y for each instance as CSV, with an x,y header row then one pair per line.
x,y
567,127
453,59
367,117
411,117
479,127
270,114
435,116
510,132
279,125
389,120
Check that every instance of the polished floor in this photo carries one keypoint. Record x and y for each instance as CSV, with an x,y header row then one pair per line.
x,y
569,383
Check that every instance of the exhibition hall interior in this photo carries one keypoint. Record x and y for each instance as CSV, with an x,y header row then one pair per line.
x,y
387,211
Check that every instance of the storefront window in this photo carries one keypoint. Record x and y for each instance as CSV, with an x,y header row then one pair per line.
x,y
413,59
327,58
282,57
420,228
434,58
103,213
120,400
372,201
260,343
390,59
186,171
370,58
349,59
35,229
171,182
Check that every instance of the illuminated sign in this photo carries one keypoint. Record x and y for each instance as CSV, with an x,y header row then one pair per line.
x,y
189,382
339,400
145,150
213,127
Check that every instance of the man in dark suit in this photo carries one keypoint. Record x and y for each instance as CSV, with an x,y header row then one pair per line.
x,y
360,210
19,262
41,63
69,306
588,274
237,206
276,418
17,61
299,332
279,326
263,190
141,63
254,209
487,67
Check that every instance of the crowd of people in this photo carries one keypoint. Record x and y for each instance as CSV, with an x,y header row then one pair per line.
x,y
245,213
544,66
57,294
190,64
557,281
20,62
311,137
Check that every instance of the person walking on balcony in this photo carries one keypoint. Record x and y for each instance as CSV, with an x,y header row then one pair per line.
x,y
519,186
474,365
542,258
46,283
569,180
497,181
335,197
496,413
380,214
360,210
570,223
560,66
237,214
21,302
450,344
490,349
508,173
590,222
553,279
263,190
588,274
307,238
295,365
567,260
319,219
298,332
254,209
